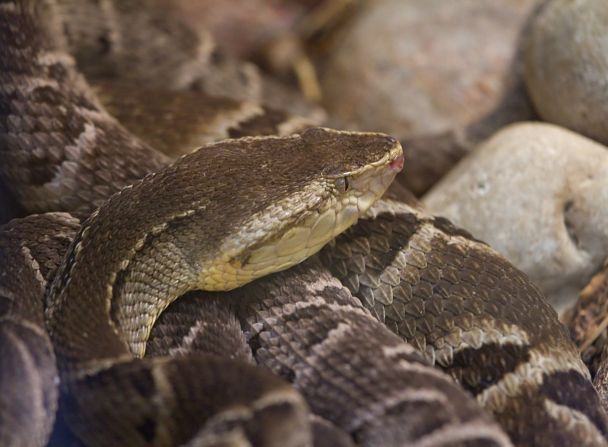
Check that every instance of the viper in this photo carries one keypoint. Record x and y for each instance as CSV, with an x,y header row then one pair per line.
x,y
226,215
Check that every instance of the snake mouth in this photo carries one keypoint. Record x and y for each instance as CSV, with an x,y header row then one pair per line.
x,y
397,163
371,182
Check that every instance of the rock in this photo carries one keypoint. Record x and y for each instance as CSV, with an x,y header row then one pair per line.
x,y
417,70
566,65
537,193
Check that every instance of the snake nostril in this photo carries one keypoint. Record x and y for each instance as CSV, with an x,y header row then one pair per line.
x,y
391,140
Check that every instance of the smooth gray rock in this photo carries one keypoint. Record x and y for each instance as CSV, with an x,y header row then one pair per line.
x,y
537,193
566,65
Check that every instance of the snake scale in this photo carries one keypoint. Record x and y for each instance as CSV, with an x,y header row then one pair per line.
x,y
318,325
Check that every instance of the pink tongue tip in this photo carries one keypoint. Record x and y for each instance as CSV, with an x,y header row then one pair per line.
x,y
397,163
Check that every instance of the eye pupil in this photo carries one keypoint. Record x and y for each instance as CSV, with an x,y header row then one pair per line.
x,y
342,184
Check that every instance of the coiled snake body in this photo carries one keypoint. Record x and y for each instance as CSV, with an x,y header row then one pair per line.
x,y
197,224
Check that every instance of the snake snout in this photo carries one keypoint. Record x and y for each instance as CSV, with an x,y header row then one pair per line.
x,y
397,163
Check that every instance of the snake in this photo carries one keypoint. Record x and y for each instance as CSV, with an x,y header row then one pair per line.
x,y
145,426
317,325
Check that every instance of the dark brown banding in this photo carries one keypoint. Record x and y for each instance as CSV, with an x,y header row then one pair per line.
x,y
448,228
479,369
565,388
173,122
561,411
196,324
267,122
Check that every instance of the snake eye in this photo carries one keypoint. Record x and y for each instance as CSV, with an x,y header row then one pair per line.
x,y
342,184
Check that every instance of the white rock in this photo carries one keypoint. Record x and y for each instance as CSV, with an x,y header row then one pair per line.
x,y
566,65
538,194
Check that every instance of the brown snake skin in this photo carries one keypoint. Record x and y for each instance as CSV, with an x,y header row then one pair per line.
x,y
477,317
305,326
463,306
49,157
175,122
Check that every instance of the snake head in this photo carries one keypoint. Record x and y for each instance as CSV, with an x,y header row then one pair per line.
x,y
320,182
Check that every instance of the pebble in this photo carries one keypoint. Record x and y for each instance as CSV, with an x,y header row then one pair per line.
x,y
566,65
417,70
535,192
